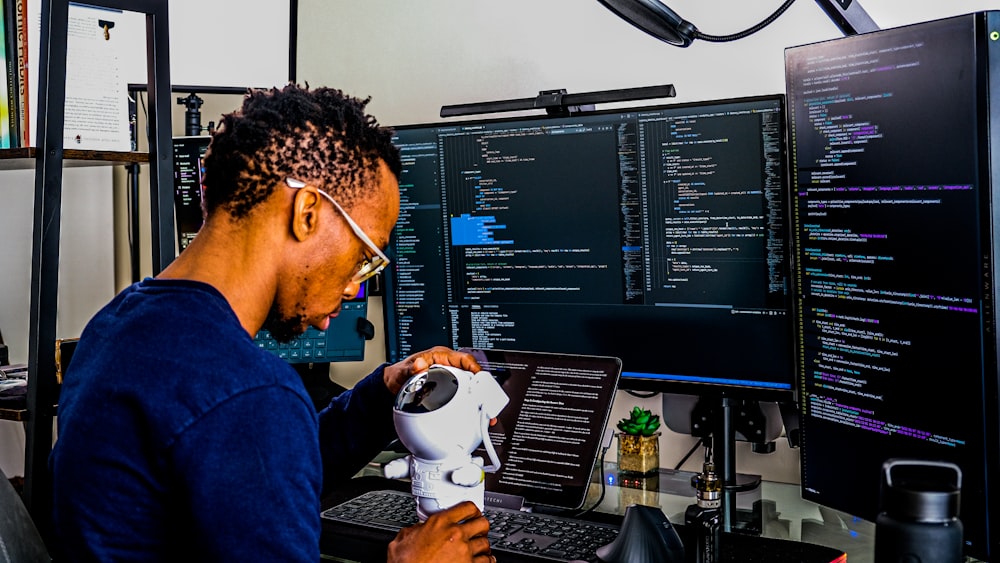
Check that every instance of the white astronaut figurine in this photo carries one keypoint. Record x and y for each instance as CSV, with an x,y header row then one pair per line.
x,y
441,416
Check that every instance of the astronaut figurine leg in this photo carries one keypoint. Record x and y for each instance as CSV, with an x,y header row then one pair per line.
x,y
438,485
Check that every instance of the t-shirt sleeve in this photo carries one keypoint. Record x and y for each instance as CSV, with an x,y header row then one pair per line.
x,y
251,470
354,428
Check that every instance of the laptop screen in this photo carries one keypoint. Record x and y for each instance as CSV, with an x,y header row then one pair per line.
x,y
548,437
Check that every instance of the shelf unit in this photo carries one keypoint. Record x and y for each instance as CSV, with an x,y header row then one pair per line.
x,y
48,160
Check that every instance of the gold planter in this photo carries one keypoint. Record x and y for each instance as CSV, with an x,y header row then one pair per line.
x,y
638,454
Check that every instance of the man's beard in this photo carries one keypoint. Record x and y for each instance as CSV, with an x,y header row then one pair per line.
x,y
283,329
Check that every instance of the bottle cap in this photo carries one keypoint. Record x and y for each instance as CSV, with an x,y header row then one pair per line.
x,y
921,491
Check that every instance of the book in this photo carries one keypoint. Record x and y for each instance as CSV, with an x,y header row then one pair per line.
x,y
96,107
13,72
20,21
6,91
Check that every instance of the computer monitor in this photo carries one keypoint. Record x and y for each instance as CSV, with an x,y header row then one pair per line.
x,y
188,153
896,164
654,234
343,341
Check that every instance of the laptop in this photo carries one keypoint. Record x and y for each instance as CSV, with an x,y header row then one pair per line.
x,y
549,435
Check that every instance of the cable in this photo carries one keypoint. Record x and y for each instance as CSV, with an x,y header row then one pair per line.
x,y
606,441
746,33
642,395
689,454
129,203
145,113
604,487
484,427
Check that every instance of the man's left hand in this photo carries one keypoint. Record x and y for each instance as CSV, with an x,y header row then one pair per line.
x,y
397,374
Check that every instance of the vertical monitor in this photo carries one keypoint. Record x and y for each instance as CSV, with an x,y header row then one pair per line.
x,y
893,236
653,234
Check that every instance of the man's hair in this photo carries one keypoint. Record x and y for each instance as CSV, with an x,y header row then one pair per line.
x,y
320,136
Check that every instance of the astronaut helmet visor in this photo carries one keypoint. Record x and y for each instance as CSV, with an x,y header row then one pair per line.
x,y
427,391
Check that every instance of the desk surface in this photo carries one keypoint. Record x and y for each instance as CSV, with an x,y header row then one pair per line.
x,y
776,511
773,510
342,542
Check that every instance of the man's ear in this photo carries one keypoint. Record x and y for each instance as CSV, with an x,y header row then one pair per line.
x,y
305,212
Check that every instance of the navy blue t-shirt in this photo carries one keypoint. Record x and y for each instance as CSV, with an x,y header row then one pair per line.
x,y
179,439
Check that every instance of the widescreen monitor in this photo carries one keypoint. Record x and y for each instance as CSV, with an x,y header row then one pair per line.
x,y
895,177
654,234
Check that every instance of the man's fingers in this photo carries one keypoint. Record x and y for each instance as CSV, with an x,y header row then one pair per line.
x,y
479,546
477,526
467,362
443,355
419,365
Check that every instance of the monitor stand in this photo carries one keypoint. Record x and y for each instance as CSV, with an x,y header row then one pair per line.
x,y
724,456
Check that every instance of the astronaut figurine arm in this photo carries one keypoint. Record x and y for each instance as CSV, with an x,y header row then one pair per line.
x,y
398,468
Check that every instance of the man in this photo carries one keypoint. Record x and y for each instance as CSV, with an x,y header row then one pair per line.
x,y
178,438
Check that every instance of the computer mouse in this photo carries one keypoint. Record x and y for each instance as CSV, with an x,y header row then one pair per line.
x,y
646,536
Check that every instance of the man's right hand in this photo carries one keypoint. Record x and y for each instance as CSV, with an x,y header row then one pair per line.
x,y
455,534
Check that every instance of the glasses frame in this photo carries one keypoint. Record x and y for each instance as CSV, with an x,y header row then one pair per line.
x,y
370,267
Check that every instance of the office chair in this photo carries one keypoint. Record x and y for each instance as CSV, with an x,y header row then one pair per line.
x,y
20,541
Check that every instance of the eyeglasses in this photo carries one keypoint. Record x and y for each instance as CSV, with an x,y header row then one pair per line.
x,y
370,266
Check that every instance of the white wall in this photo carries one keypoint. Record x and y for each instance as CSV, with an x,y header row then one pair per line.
x,y
86,268
215,43
86,273
414,57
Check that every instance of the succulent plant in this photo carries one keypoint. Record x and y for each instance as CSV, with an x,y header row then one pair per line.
x,y
641,422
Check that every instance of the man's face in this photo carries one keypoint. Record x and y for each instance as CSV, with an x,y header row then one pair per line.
x,y
312,294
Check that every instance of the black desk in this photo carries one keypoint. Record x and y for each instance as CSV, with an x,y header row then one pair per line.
x,y
345,542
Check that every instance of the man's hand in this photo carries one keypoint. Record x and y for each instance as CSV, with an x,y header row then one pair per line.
x,y
455,534
397,374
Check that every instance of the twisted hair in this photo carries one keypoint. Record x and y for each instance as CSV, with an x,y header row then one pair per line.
x,y
321,136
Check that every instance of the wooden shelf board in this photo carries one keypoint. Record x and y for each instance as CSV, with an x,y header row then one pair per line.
x,y
17,415
24,158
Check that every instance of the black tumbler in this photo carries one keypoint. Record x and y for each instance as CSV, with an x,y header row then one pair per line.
x,y
918,522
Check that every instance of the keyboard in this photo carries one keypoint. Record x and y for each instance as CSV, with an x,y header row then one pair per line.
x,y
544,536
